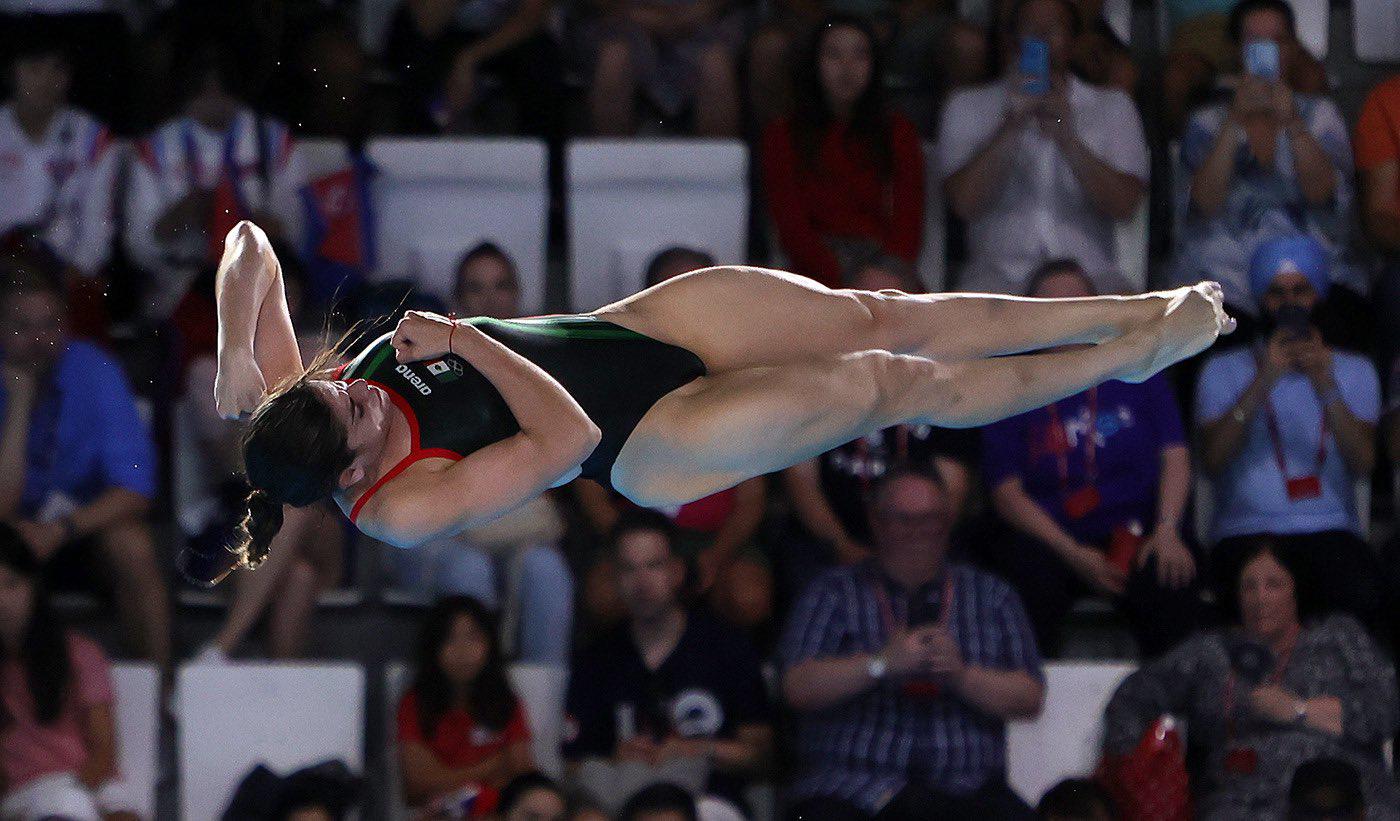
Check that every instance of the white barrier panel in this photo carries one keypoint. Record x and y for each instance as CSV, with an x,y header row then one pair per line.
x,y
1067,739
435,199
287,716
629,199
136,712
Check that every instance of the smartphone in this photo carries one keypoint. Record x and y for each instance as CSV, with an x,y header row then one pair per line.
x,y
1035,65
1261,59
1294,320
923,612
1250,660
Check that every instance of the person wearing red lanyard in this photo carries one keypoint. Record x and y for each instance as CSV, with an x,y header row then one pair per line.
x,y
1286,430
1093,491
903,669
1265,695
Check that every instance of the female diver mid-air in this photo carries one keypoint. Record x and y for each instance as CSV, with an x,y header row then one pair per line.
x,y
674,393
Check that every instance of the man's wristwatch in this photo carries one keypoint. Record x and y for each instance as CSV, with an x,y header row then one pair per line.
x,y
876,668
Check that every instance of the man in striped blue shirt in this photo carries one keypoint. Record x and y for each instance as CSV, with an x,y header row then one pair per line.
x,y
904,670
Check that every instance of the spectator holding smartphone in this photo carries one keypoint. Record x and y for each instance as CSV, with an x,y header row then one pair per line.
x,y
903,670
1269,163
1287,427
1038,163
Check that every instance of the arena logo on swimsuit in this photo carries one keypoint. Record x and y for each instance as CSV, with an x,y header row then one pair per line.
x,y
414,379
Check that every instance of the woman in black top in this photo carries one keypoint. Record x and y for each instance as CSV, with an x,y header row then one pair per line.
x,y
684,389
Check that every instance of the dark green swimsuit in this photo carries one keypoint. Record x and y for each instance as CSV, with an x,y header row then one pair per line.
x,y
615,375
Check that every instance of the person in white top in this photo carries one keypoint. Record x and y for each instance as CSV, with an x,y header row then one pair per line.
x,y
57,163
200,173
1040,173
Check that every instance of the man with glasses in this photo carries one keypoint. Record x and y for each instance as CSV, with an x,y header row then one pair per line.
x,y
904,669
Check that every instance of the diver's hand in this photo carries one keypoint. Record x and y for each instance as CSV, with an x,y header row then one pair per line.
x,y
239,386
423,335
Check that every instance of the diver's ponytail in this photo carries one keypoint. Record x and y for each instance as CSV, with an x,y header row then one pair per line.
x,y
259,527
206,564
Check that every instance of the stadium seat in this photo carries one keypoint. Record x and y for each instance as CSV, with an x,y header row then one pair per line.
x,y
136,687
932,267
629,199
1130,246
1066,740
1376,30
540,688
322,156
436,198
375,16
396,675
1313,18
287,716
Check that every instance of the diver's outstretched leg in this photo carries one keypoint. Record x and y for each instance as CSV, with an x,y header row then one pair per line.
x,y
724,428
740,317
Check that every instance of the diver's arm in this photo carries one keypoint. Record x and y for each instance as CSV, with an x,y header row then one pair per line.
x,y
424,504
257,346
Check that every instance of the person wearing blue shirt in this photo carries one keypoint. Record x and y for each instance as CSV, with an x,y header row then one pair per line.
x,y
1093,489
1287,428
77,464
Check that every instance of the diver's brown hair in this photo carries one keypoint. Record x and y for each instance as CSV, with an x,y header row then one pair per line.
x,y
294,451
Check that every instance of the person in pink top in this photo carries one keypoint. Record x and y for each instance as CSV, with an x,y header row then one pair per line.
x,y
58,742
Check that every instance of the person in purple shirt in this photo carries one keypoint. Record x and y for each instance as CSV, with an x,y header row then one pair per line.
x,y
77,464
1093,488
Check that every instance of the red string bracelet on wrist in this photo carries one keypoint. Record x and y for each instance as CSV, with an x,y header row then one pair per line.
x,y
452,329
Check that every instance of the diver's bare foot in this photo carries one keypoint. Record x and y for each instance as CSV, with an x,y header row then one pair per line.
x,y
1191,321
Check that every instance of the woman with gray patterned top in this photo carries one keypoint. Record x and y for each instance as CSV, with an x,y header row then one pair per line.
x,y
1262,698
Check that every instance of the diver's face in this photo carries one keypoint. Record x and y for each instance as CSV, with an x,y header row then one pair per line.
x,y
364,411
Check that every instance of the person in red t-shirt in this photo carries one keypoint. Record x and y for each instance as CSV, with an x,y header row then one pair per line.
x,y
844,176
459,725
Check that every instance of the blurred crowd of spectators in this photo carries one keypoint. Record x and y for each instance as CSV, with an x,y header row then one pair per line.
x,y
857,629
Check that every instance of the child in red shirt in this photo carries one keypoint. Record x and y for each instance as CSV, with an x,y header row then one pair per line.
x,y
459,725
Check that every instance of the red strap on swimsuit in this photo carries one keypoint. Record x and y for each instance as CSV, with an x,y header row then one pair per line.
x,y
415,452
414,456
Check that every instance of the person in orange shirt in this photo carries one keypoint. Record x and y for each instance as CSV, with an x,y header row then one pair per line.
x,y
1377,148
